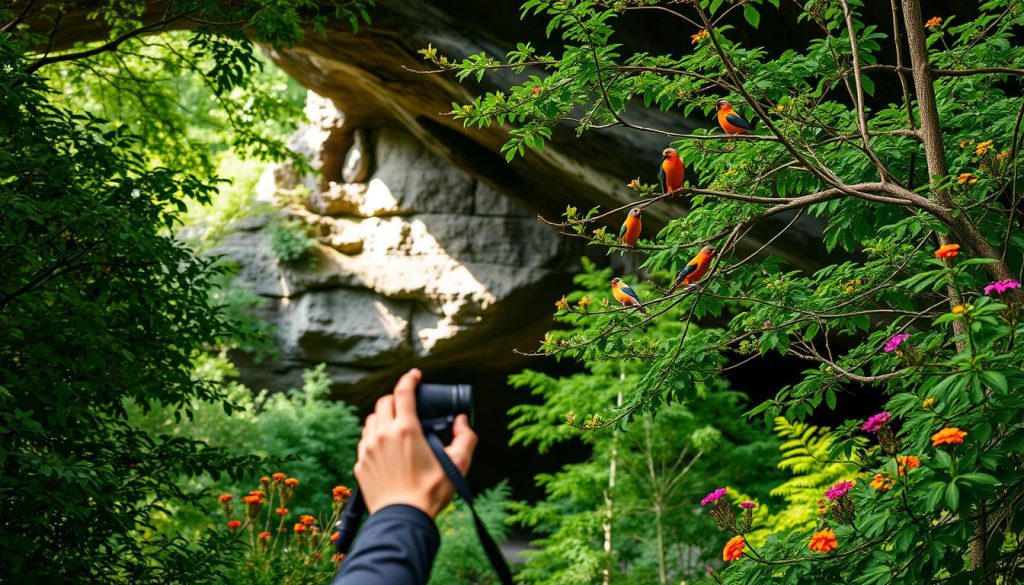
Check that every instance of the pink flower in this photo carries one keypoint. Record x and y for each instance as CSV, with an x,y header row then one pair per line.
x,y
748,505
714,496
840,489
896,341
1001,286
875,423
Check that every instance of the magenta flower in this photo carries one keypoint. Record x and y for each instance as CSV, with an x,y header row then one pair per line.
x,y
896,341
875,423
714,496
1001,286
748,505
840,489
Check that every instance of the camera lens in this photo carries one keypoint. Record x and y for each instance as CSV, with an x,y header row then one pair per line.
x,y
439,404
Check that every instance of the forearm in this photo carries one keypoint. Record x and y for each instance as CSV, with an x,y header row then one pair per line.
x,y
396,546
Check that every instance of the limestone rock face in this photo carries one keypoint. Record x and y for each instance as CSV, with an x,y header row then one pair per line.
x,y
418,264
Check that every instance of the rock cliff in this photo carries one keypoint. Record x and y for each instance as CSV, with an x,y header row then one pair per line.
x,y
417,262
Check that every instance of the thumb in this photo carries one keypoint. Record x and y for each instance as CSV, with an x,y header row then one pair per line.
x,y
464,441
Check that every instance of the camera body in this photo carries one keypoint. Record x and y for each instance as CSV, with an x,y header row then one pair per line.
x,y
438,404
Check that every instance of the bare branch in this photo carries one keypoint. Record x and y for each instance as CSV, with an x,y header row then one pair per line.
x,y
861,116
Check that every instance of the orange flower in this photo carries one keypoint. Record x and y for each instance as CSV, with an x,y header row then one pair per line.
x,y
928,402
584,303
957,309
562,303
234,524
338,557
734,548
300,528
882,483
264,536
291,482
907,462
278,476
968,178
634,184
225,498
823,541
307,520
700,36
264,480
252,500
1003,156
948,436
982,147
340,492
948,251
933,22
334,536
535,90
281,511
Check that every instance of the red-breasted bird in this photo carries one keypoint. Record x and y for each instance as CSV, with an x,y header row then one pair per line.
x,y
630,231
694,269
625,295
671,172
730,121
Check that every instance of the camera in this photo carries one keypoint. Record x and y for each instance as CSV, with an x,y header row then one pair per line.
x,y
438,404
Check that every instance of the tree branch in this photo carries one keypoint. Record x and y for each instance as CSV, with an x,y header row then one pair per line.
x,y
108,46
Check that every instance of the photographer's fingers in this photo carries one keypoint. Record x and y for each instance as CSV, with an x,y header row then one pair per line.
x,y
464,441
405,397
385,409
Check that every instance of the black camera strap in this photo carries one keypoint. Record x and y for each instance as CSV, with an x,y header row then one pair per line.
x,y
355,510
462,488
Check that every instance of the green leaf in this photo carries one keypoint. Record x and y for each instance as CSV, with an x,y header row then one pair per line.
x,y
953,497
996,381
978,478
751,14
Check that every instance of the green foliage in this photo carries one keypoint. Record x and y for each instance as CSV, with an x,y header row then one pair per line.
x,y
290,241
461,559
300,432
97,308
806,453
664,464
885,184
100,307
188,112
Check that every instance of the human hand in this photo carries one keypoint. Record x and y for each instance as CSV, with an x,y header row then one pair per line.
x,y
396,465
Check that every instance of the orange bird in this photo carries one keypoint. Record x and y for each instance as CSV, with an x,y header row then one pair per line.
x,y
671,172
730,121
625,295
694,269
630,231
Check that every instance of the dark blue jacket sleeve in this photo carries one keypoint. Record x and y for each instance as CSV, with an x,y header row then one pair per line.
x,y
395,547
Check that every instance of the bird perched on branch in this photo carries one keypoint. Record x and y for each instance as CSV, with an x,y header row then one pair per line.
x,y
625,295
730,121
694,269
630,231
672,172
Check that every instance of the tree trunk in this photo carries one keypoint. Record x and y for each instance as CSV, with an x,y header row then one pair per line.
x,y
657,496
606,576
935,154
931,136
